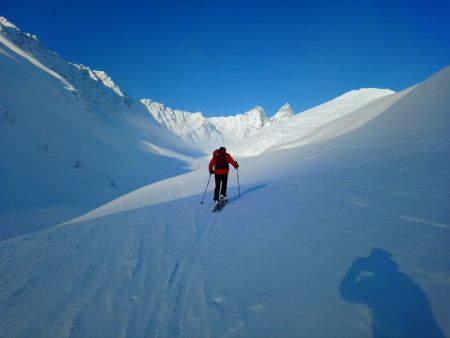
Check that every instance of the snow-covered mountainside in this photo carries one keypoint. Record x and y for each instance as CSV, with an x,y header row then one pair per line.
x,y
297,129
192,127
69,139
244,125
208,133
346,237
253,133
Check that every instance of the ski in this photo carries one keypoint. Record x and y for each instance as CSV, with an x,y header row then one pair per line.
x,y
219,206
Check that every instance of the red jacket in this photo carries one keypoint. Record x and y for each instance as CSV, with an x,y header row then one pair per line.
x,y
222,171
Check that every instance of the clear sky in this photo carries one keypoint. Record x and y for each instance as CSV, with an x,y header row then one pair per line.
x,y
225,57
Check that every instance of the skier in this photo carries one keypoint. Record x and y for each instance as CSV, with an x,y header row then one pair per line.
x,y
220,162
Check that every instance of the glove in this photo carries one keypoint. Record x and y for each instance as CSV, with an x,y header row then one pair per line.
x,y
211,172
237,165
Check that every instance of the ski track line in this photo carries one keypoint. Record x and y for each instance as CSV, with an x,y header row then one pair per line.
x,y
211,227
180,280
184,275
115,283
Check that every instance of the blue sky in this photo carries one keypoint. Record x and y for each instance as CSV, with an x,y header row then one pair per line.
x,y
225,57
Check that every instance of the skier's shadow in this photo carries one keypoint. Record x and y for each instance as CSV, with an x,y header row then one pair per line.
x,y
247,191
399,307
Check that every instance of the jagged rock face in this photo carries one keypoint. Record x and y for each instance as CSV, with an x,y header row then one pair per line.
x,y
241,125
195,127
192,127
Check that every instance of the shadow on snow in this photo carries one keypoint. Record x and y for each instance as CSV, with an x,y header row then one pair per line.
x,y
247,191
399,307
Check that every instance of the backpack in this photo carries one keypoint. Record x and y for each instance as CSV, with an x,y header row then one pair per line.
x,y
221,161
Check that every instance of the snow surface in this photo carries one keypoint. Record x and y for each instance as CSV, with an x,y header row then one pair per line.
x,y
342,234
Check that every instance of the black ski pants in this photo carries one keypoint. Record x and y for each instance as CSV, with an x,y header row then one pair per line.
x,y
221,186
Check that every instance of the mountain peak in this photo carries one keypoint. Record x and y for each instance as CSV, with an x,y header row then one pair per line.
x,y
286,106
258,112
283,113
6,23
11,27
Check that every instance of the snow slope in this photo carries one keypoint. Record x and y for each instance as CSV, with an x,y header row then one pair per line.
x,y
69,139
347,237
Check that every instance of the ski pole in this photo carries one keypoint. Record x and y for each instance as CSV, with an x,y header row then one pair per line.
x,y
239,187
205,189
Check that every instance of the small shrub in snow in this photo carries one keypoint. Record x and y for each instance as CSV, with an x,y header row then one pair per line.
x,y
8,118
44,148
77,164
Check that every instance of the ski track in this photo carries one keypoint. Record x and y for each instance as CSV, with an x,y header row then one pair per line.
x,y
179,282
137,280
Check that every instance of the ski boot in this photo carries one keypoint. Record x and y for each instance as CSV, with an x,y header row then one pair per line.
x,y
222,199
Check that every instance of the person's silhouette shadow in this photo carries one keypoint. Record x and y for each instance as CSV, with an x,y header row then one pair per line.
x,y
399,307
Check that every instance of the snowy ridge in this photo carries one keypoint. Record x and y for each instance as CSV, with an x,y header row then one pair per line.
x,y
100,96
300,126
6,23
210,132
192,127
98,75
241,125
259,132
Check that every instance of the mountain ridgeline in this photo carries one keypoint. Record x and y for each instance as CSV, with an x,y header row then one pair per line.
x,y
195,127
253,132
